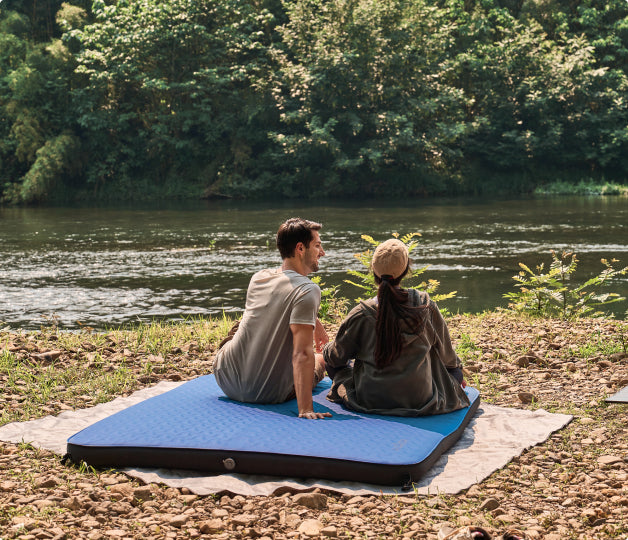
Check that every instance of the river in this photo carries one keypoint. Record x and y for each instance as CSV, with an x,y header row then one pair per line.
x,y
105,266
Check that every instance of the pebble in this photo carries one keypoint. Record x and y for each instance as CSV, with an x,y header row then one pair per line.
x,y
244,519
316,501
609,460
48,483
527,397
212,526
310,527
489,504
562,488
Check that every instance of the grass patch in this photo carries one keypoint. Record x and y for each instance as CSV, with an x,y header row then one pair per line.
x,y
91,368
584,187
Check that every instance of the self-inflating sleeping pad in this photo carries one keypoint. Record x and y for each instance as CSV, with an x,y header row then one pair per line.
x,y
196,427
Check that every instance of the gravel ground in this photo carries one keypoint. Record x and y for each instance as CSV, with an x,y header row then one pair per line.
x,y
575,485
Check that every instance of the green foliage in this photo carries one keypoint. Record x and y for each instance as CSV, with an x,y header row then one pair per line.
x,y
54,159
466,348
550,294
303,98
186,102
584,187
366,95
333,307
367,280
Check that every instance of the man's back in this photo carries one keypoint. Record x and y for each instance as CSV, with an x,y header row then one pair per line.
x,y
255,366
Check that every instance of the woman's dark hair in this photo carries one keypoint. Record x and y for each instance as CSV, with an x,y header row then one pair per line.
x,y
392,309
292,232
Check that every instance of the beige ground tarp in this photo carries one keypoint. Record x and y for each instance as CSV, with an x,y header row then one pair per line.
x,y
493,437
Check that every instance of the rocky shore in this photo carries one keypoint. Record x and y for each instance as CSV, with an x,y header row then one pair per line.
x,y
575,485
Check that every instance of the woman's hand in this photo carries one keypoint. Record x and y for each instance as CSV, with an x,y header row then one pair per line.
x,y
320,336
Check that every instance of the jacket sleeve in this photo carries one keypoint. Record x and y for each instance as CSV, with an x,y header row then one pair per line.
x,y
442,341
343,349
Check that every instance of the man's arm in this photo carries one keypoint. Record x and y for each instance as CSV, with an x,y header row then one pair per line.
x,y
303,369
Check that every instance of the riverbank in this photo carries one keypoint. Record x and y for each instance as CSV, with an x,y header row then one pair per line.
x,y
586,187
575,485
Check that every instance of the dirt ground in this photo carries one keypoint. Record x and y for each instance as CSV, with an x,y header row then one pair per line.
x,y
575,485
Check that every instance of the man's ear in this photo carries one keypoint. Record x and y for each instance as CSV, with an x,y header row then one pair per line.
x,y
300,247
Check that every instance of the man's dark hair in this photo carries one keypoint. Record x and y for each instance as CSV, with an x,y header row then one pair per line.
x,y
292,232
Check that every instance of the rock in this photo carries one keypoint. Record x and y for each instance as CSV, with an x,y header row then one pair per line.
x,y
489,504
125,489
292,520
43,503
589,514
357,522
48,356
212,526
57,533
330,531
219,513
246,520
72,503
367,507
48,483
8,486
251,533
142,493
316,501
178,521
527,397
115,533
609,460
525,361
310,527
23,522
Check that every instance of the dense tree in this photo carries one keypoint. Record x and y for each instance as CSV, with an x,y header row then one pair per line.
x,y
294,98
173,91
368,97
36,110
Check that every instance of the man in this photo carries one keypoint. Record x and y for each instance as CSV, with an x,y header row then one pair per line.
x,y
271,357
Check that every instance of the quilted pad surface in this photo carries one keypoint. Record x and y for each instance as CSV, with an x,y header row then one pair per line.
x,y
196,419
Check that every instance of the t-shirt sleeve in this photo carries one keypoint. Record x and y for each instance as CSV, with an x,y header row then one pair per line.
x,y
305,307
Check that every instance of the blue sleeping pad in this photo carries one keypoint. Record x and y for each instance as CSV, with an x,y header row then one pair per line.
x,y
194,426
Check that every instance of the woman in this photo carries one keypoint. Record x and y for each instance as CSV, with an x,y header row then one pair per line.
x,y
404,362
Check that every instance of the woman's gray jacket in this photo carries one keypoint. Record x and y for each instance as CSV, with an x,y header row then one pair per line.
x,y
417,383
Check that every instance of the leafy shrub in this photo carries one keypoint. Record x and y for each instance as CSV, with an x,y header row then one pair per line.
x,y
367,280
333,307
549,294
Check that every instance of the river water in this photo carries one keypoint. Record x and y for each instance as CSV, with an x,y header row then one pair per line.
x,y
103,267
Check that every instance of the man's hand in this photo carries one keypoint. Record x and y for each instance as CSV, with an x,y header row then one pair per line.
x,y
314,415
320,336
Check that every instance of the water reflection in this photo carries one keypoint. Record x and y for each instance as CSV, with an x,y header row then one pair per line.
x,y
105,266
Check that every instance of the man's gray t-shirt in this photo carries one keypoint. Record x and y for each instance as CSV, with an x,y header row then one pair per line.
x,y
256,365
